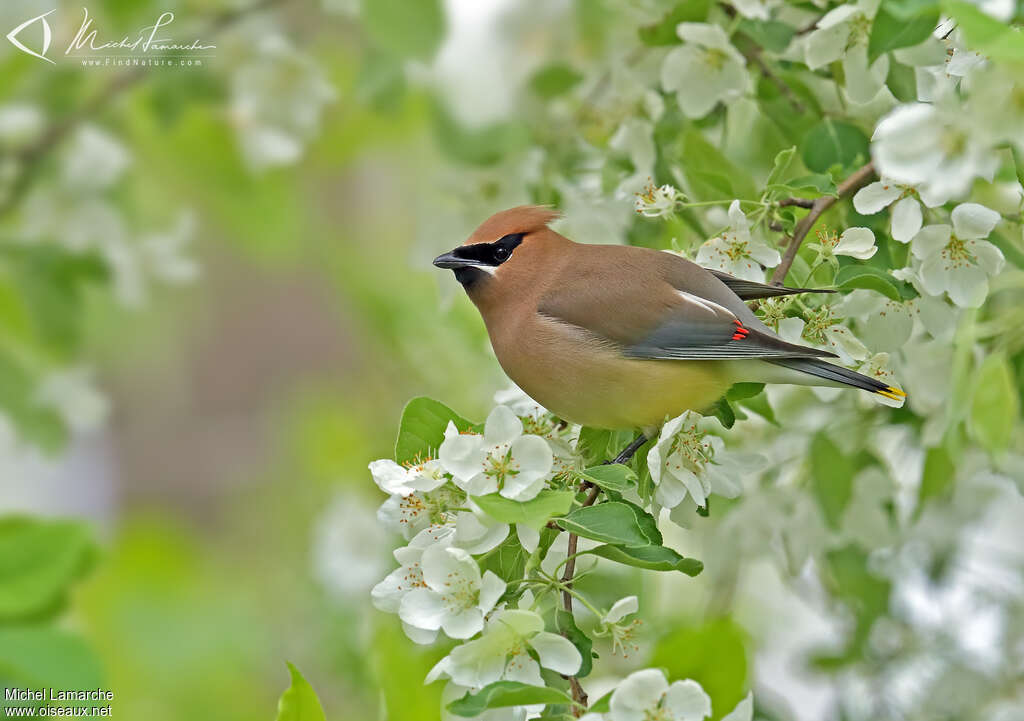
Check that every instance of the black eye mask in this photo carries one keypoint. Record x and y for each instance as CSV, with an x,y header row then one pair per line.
x,y
493,254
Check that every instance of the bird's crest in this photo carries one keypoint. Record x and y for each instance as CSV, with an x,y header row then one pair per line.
x,y
521,219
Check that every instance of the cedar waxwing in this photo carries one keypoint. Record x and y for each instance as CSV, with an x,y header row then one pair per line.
x,y
623,337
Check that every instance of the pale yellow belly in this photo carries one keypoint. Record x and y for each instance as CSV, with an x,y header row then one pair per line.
x,y
590,383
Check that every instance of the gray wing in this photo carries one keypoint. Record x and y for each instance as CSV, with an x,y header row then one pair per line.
x,y
700,329
660,306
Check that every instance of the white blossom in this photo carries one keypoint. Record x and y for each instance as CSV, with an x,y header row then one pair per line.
x,y
736,252
907,216
854,242
824,328
646,695
502,653
655,202
454,596
956,260
395,479
277,98
941,151
687,458
706,70
502,460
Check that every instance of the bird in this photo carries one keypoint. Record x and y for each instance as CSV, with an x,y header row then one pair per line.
x,y
624,337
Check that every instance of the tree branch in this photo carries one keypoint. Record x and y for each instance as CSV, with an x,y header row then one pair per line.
x,y
818,206
578,694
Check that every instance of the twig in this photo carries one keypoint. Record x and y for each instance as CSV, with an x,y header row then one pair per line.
x,y
798,202
754,56
629,450
578,694
819,206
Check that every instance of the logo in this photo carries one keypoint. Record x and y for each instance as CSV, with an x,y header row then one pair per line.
x,y
47,36
148,45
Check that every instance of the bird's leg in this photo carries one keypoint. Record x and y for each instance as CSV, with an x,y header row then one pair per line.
x,y
629,450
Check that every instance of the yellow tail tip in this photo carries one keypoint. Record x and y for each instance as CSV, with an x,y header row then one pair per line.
x,y
893,393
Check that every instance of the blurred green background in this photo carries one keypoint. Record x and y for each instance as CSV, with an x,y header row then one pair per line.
x,y
228,486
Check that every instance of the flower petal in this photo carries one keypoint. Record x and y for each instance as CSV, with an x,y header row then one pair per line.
x,y
445,567
622,608
968,286
687,701
463,624
873,197
423,608
744,710
856,243
390,477
990,258
556,653
491,588
477,663
972,221
502,426
463,455
520,667
639,693
930,240
906,219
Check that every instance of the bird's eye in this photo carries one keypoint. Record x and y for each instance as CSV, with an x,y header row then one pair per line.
x,y
501,253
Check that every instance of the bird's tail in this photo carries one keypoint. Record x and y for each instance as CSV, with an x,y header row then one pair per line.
x,y
839,376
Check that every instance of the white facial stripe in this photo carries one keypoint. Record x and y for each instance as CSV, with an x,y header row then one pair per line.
x,y
708,305
486,268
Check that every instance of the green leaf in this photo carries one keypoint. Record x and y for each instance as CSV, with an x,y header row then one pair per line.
x,y
554,80
421,429
902,81
39,560
663,32
652,558
937,477
46,657
712,654
566,624
995,405
991,37
822,184
831,478
769,34
866,594
833,142
534,513
617,522
611,477
502,694
868,277
603,704
486,145
507,561
592,445
782,162
709,174
299,702
405,29
759,405
741,391
724,412
889,32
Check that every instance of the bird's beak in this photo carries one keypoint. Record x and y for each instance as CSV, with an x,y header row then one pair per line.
x,y
451,261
